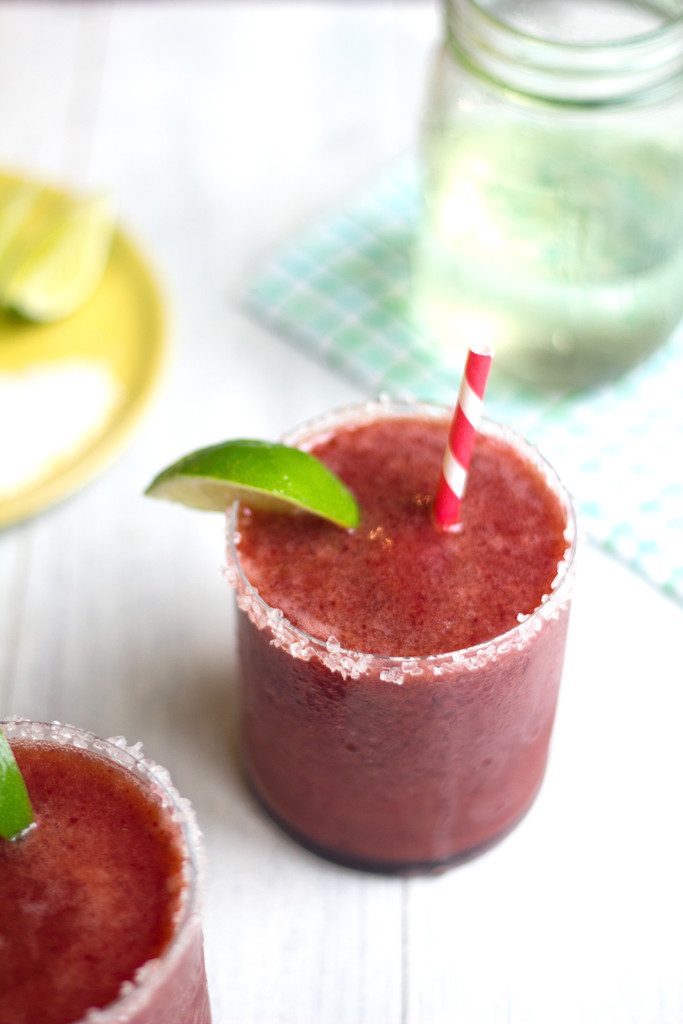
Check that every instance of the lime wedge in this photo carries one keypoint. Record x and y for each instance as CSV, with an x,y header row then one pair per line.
x,y
16,202
16,813
262,475
57,255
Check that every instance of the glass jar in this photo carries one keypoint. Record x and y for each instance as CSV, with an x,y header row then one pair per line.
x,y
553,224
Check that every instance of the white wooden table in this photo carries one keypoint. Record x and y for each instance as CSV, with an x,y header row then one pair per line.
x,y
220,128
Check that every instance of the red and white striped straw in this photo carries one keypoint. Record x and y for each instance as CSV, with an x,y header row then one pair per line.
x,y
456,458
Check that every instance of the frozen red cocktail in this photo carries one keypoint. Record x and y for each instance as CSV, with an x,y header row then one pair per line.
x,y
399,682
99,899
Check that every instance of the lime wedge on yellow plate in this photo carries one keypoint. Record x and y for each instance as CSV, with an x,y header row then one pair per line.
x,y
262,475
92,374
16,813
55,252
16,201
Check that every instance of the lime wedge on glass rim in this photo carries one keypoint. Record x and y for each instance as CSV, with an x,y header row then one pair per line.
x,y
56,250
16,813
260,474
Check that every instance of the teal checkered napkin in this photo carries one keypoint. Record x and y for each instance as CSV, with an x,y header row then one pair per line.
x,y
341,291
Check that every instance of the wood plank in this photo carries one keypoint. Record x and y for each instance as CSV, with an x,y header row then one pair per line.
x,y
576,916
15,546
38,45
127,627
37,48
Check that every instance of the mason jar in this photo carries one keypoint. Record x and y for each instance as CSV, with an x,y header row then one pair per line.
x,y
553,221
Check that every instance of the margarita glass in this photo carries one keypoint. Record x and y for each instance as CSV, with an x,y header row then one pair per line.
x,y
392,762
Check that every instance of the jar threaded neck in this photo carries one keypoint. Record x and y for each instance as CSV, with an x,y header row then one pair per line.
x,y
645,67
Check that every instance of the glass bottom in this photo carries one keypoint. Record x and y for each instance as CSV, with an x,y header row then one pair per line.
x,y
547,354
555,241
576,366
404,869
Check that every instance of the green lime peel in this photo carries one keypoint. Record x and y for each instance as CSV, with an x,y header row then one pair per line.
x,y
16,813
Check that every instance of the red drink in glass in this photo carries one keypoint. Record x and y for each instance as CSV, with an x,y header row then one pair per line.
x,y
99,917
399,682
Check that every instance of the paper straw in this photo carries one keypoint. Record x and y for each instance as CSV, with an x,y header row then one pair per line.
x,y
463,430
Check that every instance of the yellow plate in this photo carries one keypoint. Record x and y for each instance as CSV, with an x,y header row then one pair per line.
x,y
73,390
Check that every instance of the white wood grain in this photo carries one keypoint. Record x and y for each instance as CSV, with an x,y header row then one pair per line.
x,y
14,558
220,128
184,112
576,916
38,44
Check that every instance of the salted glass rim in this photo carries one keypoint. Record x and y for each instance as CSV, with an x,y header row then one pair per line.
x,y
315,429
134,992
636,40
